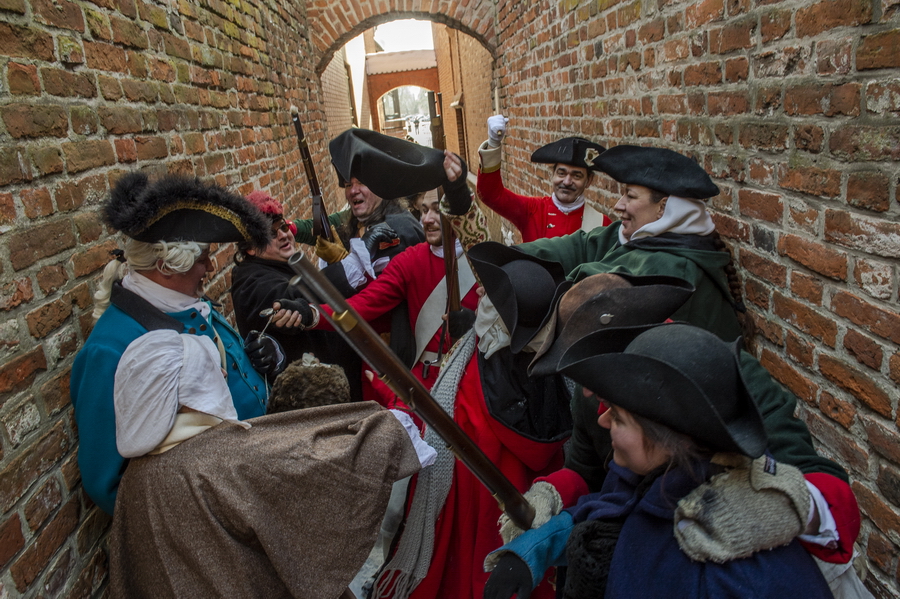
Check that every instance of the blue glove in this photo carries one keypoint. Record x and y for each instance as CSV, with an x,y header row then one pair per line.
x,y
265,354
511,577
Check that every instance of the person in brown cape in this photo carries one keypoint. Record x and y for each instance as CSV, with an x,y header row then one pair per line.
x,y
284,505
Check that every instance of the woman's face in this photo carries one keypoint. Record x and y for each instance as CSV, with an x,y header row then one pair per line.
x,y
636,209
628,442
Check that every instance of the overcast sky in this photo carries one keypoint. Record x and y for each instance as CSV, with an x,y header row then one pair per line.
x,y
404,35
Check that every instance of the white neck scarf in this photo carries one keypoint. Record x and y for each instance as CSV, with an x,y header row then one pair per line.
x,y
567,208
438,250
492,333
682,215
163,298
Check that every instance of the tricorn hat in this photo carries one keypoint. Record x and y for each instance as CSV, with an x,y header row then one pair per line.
x,y
523,288
676,374
576,151
607,301
659,169
180,208
390,167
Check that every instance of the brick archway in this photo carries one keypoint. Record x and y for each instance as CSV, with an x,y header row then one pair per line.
x,y
385,82
334,25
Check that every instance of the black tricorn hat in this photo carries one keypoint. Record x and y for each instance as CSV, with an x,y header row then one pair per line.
x,y
523,288
659,169
605,303
390,167
576,151
181,208
676,374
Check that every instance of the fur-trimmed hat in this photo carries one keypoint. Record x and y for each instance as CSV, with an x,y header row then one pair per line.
x,y
523,288
607,301
180,208
676,374
576,151
270,207
660,169
390,167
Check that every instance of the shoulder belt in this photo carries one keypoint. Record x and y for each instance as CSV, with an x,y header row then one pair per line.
x,y
145,313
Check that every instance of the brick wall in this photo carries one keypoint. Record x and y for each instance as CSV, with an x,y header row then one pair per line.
x,y
336,95
793,106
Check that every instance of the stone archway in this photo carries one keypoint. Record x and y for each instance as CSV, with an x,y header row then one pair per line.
x,y
383,83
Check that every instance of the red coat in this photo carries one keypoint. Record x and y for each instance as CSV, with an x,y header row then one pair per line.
x,y
411,275
535,218
466,530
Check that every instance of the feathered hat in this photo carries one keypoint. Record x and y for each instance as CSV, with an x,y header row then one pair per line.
x,y
180,208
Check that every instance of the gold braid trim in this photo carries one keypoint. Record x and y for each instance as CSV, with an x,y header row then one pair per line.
x,y
219,211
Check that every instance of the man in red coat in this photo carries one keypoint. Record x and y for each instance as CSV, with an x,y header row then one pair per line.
x,y
561,213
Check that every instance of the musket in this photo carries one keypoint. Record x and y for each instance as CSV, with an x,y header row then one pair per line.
x,y
320,224
371,348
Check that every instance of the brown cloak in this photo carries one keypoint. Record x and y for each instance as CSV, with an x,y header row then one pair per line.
x,y
288,508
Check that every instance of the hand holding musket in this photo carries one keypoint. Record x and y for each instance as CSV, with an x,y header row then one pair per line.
x,y
321,227
376,353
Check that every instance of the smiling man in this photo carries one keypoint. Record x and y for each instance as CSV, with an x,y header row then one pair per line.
x,y
563,211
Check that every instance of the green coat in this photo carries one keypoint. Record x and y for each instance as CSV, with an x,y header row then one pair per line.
x,y
584,254
789,439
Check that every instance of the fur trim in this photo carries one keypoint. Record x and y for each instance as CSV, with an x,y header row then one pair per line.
x,y
266,203
302,385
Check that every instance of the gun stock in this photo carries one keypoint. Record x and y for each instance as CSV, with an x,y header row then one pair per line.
x,y
377,354
321,227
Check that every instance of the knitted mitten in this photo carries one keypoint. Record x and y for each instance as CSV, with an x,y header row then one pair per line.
x,y
546,502
589,552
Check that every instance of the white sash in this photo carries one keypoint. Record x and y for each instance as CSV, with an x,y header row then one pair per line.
x,y
429,319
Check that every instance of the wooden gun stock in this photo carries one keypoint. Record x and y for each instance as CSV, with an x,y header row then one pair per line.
x,y
377,354
321,227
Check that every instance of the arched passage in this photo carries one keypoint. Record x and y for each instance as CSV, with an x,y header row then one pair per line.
x,y
384,82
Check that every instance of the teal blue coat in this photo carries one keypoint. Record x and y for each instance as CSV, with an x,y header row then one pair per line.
x,y
93,378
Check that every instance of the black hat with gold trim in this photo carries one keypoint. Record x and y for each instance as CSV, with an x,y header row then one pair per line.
x,y
181,208
576,151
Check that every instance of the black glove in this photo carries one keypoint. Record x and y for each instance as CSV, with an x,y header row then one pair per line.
x,y
378,238
265,354
301,306
511,577
459,322
457,194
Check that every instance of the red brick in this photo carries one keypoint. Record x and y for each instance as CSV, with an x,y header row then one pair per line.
x,y
70,51
59,82
88,226
834,56
28,246
51,278
883,96
880,551
126,150
110,88
814,256
844,447
7,209
47,160
860,143
87,154
25,42
11,539
150,148
872,236
869,190
128,33
809,137
881,439
841,412
827,99
875,278
43,503
727,103
35,558
798,350
22,79
805,319
764,268
737,69
92,260
801,386
807,287
856,383
895,367
879,50
120,120
803,216
811,180
757,294
884,323
774,24
865,350
48,317
104,57
26,120
15,293
18,373
58,13
881,515
17,6
763,136
830,14
140,91
706,73
84,120
36,202
55,393
768,329
761,205
736,35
